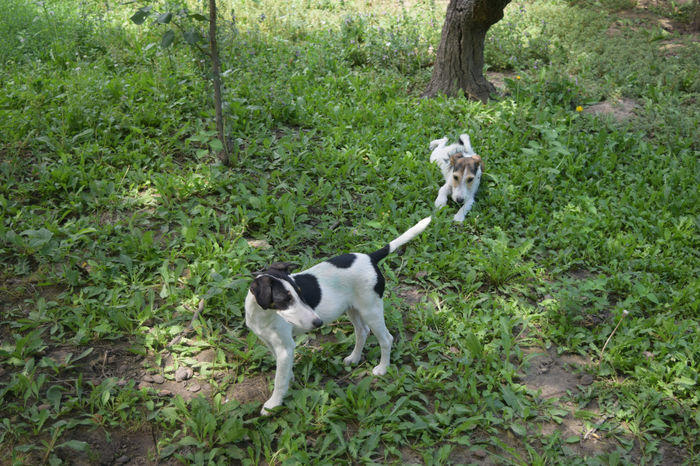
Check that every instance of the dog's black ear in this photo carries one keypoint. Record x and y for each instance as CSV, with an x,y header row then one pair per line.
x,y
262,290
284,267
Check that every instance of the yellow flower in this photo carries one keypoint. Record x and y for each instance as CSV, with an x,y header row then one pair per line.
x,y
579,109
517,77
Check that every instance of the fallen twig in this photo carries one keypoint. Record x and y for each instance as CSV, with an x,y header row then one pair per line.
x,y
104,361
602,352
592,430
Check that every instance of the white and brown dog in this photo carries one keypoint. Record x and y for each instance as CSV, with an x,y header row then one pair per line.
x,y
280,305
462,169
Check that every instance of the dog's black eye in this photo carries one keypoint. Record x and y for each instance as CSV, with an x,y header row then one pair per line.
x,y
456,178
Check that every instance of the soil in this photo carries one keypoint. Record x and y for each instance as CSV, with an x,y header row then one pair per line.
x,y
498,79
119,360
621,110
113,447
251,390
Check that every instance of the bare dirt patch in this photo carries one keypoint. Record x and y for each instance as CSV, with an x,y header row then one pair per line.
x,y
558,377
641,19
648,15
251,390
621,110
14,290
124,363
112,447
409,295
121,361
498,79
552,375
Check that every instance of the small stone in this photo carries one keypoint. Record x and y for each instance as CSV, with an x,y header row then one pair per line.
x,y
165,392
208,355
43,407
183,373
259,244
122,459
587,379
153,378
194,388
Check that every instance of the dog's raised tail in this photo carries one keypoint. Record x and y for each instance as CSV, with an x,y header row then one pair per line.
x,y
407,236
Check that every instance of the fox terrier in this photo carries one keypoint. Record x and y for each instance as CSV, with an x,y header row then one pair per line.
x,y
462,169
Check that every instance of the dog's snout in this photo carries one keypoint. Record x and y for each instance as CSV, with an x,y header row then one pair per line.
x,y
317,323
459,200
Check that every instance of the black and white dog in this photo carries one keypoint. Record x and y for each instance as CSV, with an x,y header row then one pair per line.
x,y
462,168
280,305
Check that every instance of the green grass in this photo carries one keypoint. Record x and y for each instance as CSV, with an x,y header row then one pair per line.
x,y
117,219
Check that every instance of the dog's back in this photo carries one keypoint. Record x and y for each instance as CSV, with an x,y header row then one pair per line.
x,y
349,276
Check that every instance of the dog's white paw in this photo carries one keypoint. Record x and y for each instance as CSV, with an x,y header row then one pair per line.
x,y
379,370
351,360
268,407
441,201
459,217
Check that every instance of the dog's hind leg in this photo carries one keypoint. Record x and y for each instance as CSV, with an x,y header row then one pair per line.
x,y
374,318
437,142
464,140
361,332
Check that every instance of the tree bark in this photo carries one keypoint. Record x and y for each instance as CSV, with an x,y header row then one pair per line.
x,y
695,18
460,57
225,157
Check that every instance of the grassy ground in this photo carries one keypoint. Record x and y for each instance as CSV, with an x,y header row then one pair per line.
x,y
117,220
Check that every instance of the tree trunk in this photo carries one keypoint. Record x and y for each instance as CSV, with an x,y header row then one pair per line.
x,y
460,57
225,157
695,18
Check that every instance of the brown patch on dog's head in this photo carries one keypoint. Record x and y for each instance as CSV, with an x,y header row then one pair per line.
x,y
465,167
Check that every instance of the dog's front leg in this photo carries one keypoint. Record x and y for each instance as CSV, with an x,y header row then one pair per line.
x,y
283,376
469,201
462,212
441,199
